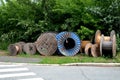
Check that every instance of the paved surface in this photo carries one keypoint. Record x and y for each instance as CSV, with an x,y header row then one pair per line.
x,y
17,72
13,71
19,59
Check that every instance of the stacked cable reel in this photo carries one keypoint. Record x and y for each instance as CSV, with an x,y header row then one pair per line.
x,y
103,45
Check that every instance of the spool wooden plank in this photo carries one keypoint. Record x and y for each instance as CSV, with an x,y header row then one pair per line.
x,y
88,49
83,44
46,44
29,48
112,33
95,51
101,41
97,37
114,46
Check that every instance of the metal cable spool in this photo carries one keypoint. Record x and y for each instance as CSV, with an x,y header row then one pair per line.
x,y
46,44
108,48
29,48
95,51
68,43
83,44
15,49
88,49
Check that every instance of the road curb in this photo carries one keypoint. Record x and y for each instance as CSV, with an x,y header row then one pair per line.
x,y
69,64
93,64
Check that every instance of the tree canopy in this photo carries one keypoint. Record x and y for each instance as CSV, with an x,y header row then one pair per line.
x,y
25,20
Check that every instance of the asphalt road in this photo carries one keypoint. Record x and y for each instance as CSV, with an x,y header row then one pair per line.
x,y
37,72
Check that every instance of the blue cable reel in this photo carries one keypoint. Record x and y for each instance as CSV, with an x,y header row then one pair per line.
x,y
68,43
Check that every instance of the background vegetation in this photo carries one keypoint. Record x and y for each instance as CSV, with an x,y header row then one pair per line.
x,y
25,20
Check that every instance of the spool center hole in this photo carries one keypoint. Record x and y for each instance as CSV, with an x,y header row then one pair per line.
x,y
69,43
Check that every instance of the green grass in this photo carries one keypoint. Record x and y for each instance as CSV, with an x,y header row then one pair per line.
x,y
79,58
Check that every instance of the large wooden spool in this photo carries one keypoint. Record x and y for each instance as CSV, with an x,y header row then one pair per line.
x,y
46,44
88,49
29,48
108,48
83,44
16,48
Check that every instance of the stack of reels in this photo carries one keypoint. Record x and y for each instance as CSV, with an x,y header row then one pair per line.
x,y
16,48
21,47
68,44
103,46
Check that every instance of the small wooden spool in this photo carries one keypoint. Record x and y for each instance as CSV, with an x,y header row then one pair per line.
x,y
46,44
20,47
83,44
108,48
88,49
29,48
95,51
13,49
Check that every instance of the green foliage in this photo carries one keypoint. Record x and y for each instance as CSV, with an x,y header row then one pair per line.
x,y
118,42
25,20
108,13
85,33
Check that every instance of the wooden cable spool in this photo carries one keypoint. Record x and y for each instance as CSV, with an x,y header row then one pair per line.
x,y
46,44
108,48
29,48
95,51
22,45
83,44
15,49
88,49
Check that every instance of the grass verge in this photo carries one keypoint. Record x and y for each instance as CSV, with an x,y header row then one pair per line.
x,y
79,58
